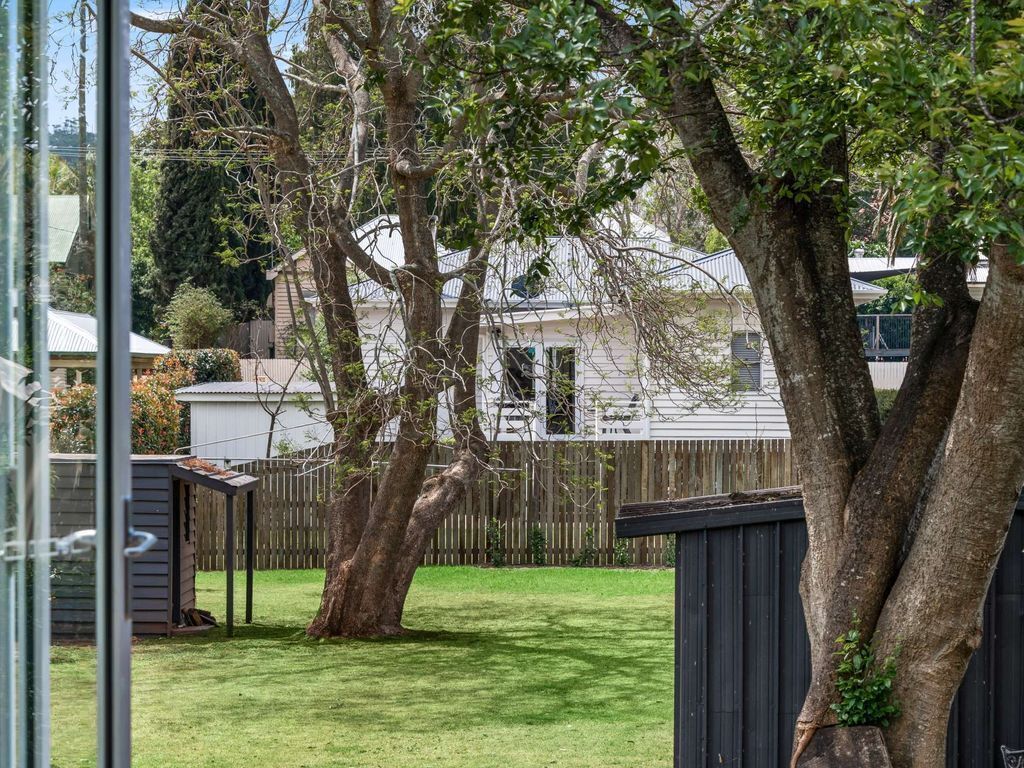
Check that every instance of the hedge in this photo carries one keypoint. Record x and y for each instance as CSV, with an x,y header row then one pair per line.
x,y
206,365
156,416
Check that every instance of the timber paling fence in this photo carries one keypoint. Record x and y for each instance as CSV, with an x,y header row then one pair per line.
x,y
565,488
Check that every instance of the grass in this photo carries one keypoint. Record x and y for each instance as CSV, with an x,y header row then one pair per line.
x,y
512,667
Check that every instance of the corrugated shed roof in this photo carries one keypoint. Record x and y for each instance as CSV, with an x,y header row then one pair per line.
x,y
73,333
62,219
248,388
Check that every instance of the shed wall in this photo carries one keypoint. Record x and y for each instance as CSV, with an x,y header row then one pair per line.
x,y
742,653
72,509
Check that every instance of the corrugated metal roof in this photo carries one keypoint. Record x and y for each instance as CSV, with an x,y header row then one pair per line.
x,y
723,270
574,270
248,388
73,333
860,264
61,226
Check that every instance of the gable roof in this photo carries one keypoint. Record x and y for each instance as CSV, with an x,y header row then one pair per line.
x,y
74,333
380,237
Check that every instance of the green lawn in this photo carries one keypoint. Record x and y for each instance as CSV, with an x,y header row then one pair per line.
x,y
511,668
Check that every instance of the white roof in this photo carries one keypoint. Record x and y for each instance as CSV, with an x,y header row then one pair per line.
x,y
859,264
73,333
62,219
574,274
724,270
249,388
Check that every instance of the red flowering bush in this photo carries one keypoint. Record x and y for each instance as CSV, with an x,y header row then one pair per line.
x,y
156,415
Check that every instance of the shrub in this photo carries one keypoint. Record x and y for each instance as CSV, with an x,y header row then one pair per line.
x,y
195,317
495,549
864,686
206,365
538,545
588,552
155,416
885,399
621,555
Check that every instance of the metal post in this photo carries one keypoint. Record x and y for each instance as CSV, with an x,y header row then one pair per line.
x,y
113,377
229,561
250,538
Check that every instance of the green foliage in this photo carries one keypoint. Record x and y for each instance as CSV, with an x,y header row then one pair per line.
x,y
538,545
886,398
495,548
145,183
715,241
903,293
865,686
209,229
621,555
587,553
670,550
205,365
71,293
156,416
195,317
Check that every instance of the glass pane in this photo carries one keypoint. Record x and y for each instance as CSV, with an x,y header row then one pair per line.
x,y
73,343
24,463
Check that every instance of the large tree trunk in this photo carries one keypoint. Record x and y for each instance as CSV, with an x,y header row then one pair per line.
x,y
905,521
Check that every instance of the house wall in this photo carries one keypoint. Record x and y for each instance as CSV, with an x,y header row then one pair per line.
x,y
284,284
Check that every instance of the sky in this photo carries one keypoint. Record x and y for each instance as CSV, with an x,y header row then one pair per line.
x,y
62,52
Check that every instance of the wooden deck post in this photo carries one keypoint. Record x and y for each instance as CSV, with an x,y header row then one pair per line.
x,y
250,540
229,561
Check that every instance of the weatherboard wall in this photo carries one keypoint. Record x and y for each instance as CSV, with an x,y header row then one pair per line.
x,y
73,508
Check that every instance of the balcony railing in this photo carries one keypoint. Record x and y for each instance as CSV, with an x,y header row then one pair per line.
x,y
885,336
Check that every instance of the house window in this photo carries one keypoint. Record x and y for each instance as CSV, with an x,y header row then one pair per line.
x,y
519,378
561,391
746,354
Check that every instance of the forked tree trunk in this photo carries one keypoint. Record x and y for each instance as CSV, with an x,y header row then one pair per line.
x,y
905,522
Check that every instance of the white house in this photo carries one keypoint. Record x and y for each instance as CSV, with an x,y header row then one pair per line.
x,y
540,334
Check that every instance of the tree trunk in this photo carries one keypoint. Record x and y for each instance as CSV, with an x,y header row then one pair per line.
x,y
933,613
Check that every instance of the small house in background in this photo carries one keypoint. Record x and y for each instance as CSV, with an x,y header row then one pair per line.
x,y
162,583
742,654
73,340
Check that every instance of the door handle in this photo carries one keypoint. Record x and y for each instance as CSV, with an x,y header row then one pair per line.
x,y
145,539
76,543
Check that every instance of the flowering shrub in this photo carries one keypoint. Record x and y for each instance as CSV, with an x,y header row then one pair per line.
x,y
73,420
156,415
205,364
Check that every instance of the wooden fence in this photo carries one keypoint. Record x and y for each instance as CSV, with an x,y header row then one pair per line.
x,y
565,488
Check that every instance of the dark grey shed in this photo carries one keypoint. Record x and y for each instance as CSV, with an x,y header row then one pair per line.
x,y
162,583
741,650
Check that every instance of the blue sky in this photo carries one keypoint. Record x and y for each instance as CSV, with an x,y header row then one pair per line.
x,y
63,54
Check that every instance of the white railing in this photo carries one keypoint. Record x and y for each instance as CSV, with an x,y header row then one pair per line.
x,y
621,420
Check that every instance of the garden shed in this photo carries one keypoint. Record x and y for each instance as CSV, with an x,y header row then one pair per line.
x,y
742,662
162,584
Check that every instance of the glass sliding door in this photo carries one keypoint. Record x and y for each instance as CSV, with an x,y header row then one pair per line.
x,y
24,446
64,320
